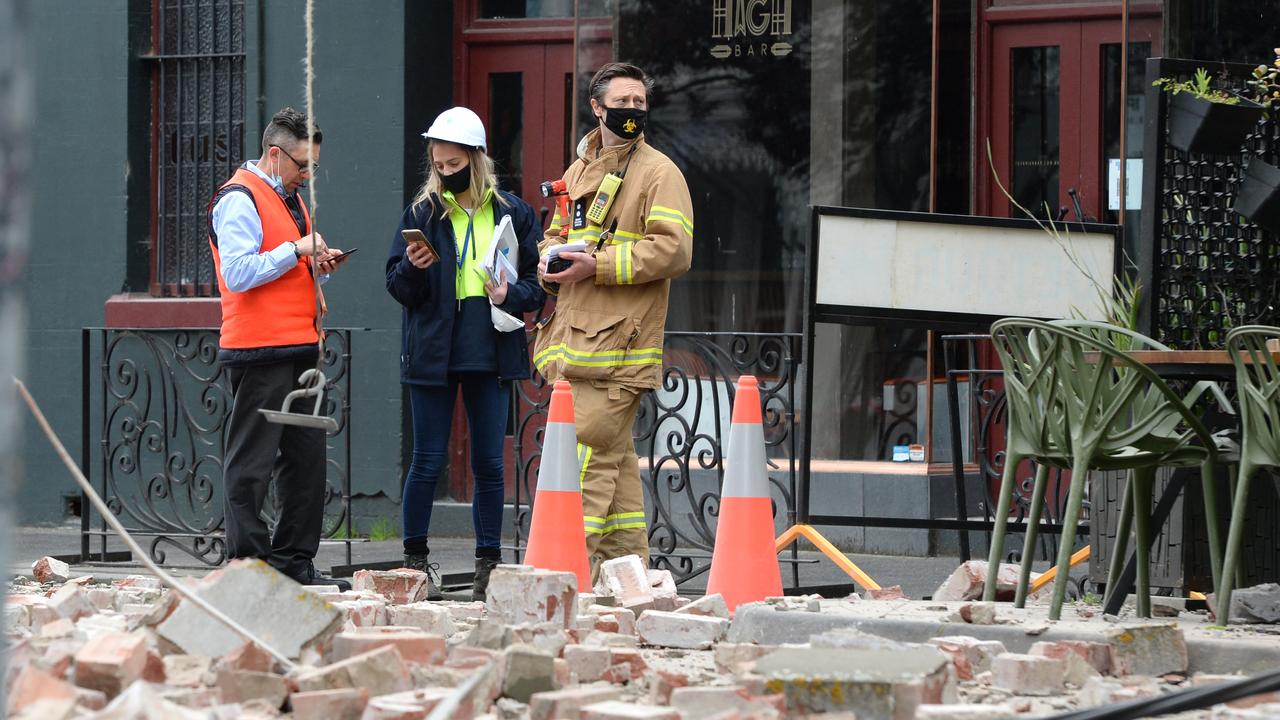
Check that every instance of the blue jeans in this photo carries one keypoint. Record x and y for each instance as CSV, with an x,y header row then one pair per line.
x,y
487,401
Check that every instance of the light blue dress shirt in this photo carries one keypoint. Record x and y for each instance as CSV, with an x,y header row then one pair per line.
x,y
239,231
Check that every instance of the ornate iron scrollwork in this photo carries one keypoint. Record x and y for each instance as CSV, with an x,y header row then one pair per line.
x,y
163,421
679,435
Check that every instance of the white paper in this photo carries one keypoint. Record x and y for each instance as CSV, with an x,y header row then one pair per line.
x,y
576,246
503,255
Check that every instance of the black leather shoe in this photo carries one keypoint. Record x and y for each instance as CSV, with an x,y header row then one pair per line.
x,y
312,576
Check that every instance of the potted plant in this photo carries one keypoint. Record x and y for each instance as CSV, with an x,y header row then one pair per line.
x,y
1259,195
1203,119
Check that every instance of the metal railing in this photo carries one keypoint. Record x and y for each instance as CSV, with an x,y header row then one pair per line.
x,y
162,409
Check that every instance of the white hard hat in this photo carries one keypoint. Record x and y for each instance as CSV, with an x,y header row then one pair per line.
x,y
458,125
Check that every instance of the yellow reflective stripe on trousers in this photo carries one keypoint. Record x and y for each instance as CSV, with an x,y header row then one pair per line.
x,y
658,212
584,457
625,521
590,524
598,358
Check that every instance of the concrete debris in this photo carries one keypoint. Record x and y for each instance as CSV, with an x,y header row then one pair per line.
x,y
969,655
263,601
517,595
893,592
50,570
676,630
400,587
1154,649
977,613
968,581
339,704
527,670
1257,604
565,703
538,650
709,605
1028,674
380,671
874,684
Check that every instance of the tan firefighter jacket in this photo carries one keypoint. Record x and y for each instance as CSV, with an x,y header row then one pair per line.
x,y
612,329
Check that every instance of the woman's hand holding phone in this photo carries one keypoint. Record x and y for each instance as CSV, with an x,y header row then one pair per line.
x,y
418,249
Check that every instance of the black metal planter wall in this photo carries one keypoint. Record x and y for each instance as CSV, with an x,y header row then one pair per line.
x,y
1204,267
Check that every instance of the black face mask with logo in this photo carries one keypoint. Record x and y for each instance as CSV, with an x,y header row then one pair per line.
x,y
626,123
458,182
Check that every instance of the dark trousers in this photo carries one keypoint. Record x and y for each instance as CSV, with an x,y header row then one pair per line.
x,y
487,401
257,450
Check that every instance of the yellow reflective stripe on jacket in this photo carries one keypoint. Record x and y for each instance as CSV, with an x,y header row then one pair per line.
x,y
598,358
589,235
622,264
658,212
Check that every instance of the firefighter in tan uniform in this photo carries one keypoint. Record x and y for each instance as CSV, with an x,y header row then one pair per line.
x,y
630,205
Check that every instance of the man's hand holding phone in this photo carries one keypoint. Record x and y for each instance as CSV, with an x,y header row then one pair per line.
x,y
329,263
418,249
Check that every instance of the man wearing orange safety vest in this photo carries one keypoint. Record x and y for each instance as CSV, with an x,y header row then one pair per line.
x,y
630,205
263,246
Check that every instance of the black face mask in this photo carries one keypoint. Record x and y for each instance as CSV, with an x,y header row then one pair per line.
x,y
626,123
458,182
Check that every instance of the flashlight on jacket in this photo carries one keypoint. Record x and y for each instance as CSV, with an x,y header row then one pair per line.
x,y
558,190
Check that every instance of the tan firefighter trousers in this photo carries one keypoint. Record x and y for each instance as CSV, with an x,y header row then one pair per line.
x,y
612,497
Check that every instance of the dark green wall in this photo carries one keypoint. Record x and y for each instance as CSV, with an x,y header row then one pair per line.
x,y
375,89
77,251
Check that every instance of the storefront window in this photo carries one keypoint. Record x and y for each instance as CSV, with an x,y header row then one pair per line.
x,y
770,108
516,9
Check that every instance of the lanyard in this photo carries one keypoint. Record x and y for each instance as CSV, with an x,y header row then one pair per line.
x,y
466,242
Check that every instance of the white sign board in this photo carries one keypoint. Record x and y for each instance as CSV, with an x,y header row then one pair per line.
x,y
960,268
1132,184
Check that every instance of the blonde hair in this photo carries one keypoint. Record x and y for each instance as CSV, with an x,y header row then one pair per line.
x,y
483,178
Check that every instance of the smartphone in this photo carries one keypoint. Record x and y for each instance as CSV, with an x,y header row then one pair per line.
x,y
342,256
414,235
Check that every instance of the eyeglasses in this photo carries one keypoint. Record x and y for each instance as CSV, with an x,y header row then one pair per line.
x,y
302,167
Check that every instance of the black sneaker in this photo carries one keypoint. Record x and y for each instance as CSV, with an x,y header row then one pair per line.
x,y
484,566
312,576
418,561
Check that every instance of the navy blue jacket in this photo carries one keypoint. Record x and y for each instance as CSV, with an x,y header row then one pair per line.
x,y
430,307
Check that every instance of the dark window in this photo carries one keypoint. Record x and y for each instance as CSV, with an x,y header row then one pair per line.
x,y
197,70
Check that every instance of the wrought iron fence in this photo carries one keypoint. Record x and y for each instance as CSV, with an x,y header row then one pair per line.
x,y
680,433
161,420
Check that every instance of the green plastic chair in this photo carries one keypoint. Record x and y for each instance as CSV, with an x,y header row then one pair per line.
x,y
1122,339
1258,385
1075,401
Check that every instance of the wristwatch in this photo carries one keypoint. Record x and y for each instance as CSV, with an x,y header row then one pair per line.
x,y
297,254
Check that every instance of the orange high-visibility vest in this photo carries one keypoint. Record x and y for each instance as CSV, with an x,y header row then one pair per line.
x,y
283,311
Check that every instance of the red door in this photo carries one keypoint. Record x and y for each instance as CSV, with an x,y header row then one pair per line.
x,y
523,94
1052,113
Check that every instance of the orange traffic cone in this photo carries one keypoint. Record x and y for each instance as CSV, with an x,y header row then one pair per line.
x,y
556,538
744,565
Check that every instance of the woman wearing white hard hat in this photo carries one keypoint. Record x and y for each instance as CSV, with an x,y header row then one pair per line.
x,y
448,336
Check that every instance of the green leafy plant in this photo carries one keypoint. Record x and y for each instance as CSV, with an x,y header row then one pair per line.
x,y
1201,86
1120,305
1266,85
383,529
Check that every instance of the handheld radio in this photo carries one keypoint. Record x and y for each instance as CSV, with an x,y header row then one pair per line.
x,y
604,199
